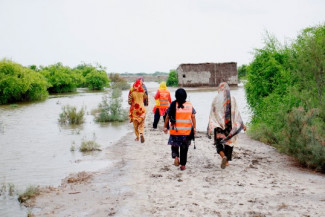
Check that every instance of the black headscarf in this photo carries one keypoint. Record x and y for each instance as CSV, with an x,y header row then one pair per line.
x,y
180,96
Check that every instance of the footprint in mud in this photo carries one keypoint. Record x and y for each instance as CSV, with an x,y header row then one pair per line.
x,y
156,175
165,169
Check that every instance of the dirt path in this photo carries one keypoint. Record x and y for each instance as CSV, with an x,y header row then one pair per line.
x,y
144,182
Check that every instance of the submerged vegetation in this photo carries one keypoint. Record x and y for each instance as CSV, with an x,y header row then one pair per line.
x,y
286,92
89,145
70,115
31,192
118,82
110,109
7,188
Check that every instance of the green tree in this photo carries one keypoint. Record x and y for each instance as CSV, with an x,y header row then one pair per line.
x,y
61,78
242,71
19,83
172,79
97,80
286,90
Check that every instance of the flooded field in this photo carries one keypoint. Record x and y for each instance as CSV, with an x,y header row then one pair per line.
x,y
36,149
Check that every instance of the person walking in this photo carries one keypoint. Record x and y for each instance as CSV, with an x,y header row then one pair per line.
x,y
181,115
225,123
137,112
163,101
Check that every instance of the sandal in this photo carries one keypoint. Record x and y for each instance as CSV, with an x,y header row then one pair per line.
x,y
176,161
142,138
223,162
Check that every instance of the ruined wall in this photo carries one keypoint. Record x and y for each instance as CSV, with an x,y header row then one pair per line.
x,y
147,78
207,74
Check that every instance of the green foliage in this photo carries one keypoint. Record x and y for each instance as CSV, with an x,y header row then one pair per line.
x,y
110,109
61,78
84,69
303,135
97,80
70,115
18,83
242,71
31,192
285,90
172,79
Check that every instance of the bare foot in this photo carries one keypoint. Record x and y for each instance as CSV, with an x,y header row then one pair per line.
x,y
137,139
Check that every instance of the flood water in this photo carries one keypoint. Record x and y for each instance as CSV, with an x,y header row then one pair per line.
x,y
36,150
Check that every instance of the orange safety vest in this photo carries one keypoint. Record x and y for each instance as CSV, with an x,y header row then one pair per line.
x,y
183,118
163,98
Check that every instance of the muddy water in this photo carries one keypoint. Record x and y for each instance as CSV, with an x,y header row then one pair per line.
x,y
36,150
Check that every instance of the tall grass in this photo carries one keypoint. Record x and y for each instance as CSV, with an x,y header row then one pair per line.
x,y
31,192
89,145
110,109
70,115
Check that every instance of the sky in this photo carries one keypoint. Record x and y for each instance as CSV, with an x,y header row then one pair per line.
x,y
147,35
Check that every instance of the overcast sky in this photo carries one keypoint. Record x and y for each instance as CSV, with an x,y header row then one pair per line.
x,y
147,35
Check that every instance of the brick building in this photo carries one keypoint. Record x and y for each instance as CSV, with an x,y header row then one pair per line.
x,y
207,74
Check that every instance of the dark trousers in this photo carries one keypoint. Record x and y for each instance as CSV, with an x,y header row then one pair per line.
x,y
157,118
227,150
181,152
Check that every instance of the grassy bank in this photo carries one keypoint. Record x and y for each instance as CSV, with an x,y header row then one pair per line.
x,y
286,91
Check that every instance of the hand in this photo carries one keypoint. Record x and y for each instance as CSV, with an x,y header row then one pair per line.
x,y
194,131
220,136
165,130
244,127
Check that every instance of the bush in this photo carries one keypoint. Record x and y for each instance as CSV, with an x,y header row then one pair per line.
x,y
118,82
242,71
87,146
70,115
303,137
110,109
286,92
97,80
172,79
18,83
61,78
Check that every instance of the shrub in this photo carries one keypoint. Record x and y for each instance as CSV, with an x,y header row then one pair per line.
x,y
70,115
172,79
286,91
87,146
118,82
61,78
242,71
30,192
303,137
18,83
110,109
97,80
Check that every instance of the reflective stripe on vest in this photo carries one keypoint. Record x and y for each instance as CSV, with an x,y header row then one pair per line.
x,y
183,118
163,99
